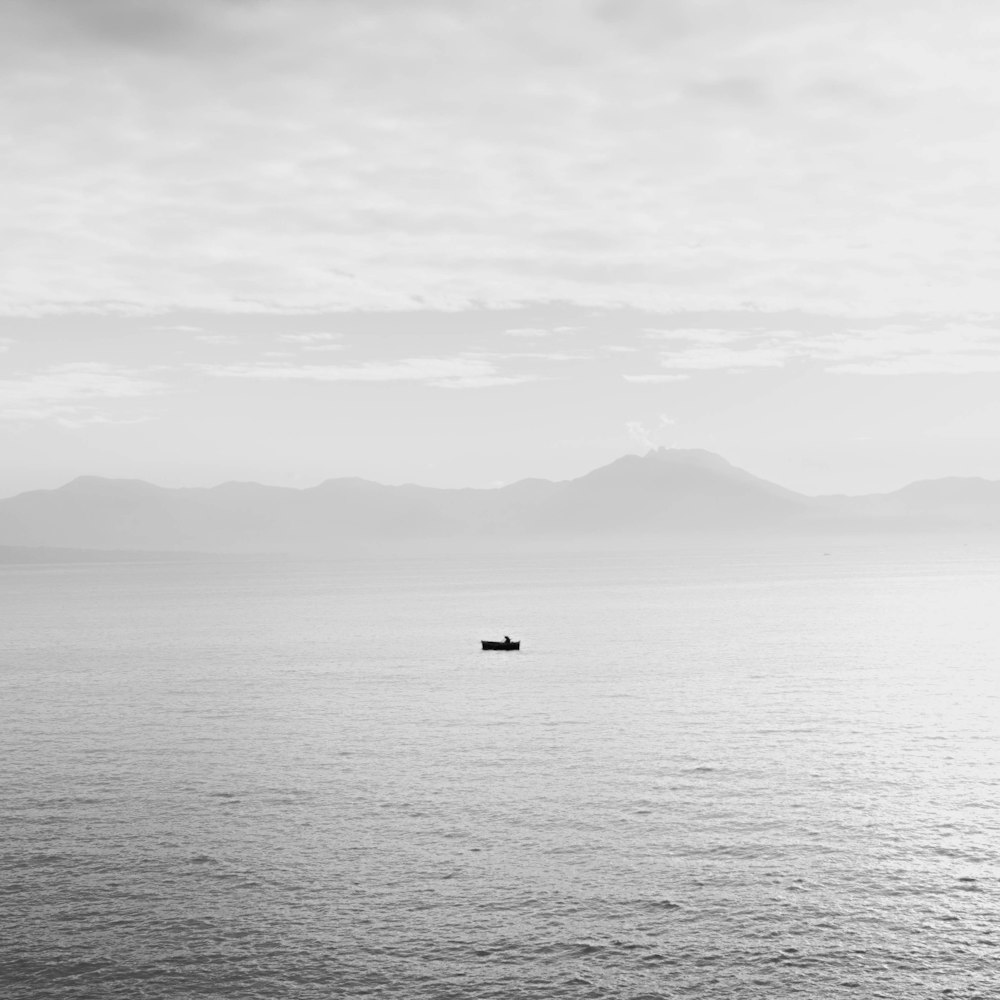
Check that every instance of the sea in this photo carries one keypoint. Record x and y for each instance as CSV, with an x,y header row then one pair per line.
x,y
713,770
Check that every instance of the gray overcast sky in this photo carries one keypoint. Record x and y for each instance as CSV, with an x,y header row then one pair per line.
x,y
465,242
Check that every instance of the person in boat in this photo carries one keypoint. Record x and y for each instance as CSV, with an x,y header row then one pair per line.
x,y
506,639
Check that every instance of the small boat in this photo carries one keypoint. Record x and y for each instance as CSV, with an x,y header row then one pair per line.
x,y
506,644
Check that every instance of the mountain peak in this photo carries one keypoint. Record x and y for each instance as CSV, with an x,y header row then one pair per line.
x,y
103,485
688,456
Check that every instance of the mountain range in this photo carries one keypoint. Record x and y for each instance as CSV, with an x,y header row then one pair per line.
x,y
663,493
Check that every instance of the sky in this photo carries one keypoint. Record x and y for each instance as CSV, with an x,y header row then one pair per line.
x,y
463,242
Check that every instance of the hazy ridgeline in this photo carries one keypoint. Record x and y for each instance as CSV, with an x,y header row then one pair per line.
x,y
665,494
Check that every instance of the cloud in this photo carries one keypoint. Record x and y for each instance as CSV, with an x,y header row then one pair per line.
x,y
716,358
655,377
451,373
920,365
639,434
149,25
905,349
482,381
313,341
308,339
532,355
899,348
298,155
648,437
701,335
221,339
72,394
528,331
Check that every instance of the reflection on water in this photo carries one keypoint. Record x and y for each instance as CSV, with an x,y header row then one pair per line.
x,y
716,774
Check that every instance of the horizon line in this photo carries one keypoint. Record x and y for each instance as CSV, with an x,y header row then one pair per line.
x,y
486,489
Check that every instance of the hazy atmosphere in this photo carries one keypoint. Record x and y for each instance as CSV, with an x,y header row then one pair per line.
x,y
499,500
463,243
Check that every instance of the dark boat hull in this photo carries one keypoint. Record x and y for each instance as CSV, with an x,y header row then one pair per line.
x,y
500,645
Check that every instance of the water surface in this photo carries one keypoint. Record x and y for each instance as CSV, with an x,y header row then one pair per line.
x,y
719,772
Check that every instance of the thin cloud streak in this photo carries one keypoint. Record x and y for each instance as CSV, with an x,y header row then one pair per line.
x,y
73,394
892,349
440,372
309,340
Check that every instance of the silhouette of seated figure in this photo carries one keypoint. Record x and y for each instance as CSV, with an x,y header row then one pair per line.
x,y
506,639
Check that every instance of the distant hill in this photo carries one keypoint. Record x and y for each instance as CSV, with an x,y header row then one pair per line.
x,y
663,493
928,505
